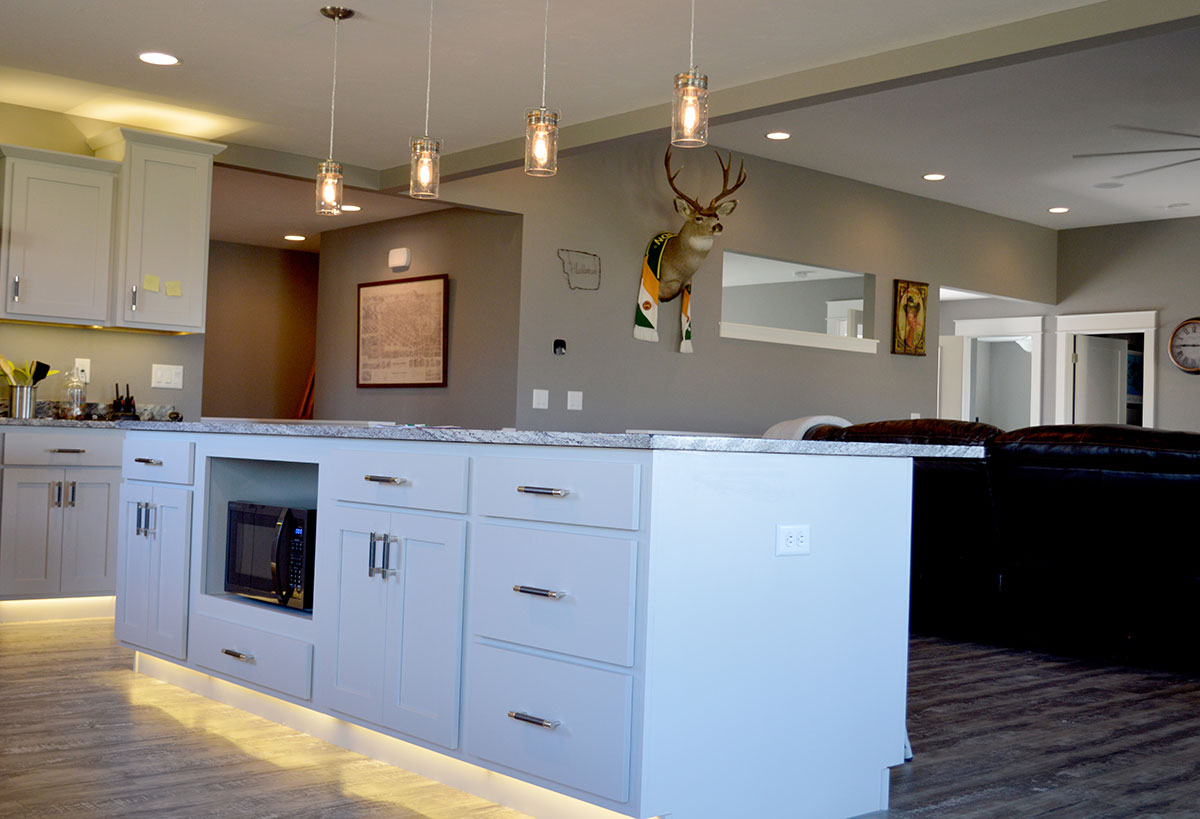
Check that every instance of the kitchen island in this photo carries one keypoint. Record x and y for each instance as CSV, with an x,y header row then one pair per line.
x,y
613,618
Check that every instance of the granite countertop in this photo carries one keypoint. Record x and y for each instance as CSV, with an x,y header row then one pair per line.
x,y
609,440
56,422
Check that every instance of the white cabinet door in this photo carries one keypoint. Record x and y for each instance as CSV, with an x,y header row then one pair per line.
x,y
353,682
163,258
89,530
424,646
152,568
55,250
397,657
31,531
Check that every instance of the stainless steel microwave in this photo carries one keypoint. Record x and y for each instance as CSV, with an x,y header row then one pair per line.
x,y
269,554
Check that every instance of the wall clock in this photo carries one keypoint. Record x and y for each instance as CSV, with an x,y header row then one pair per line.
x,y
1184,345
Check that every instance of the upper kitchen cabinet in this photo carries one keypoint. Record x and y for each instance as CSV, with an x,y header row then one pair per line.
x,y
56,231
161,271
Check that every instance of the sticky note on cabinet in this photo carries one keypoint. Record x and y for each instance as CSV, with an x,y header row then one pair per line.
x,y
174,288
150,283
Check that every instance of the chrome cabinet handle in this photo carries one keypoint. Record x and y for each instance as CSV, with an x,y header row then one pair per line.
x,y
385,479
549,724
68,451
371,568
57,487
16,289
387,543
238,655
543,490
71,494
147,461
151,525
536,592
141,530
133,299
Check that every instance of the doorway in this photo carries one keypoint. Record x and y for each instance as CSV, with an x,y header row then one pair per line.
x,y
1105,368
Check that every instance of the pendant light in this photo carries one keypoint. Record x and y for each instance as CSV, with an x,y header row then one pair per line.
x,y
425,167
329,173
689,110
541,124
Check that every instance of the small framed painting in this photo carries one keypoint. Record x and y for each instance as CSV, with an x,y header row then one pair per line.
x,y
908,317
402,332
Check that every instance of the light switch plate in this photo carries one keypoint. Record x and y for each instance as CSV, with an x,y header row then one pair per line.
x,y
166,376
574,399
541,399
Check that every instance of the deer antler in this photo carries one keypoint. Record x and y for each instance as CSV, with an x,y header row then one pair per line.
x,y
725,189
671,181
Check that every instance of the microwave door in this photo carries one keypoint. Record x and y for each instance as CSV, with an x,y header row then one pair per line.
x,y
280,558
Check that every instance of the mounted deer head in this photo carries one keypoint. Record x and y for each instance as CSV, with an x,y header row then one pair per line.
x,y
683,254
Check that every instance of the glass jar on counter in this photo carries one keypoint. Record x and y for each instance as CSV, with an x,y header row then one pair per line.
x,y
76,397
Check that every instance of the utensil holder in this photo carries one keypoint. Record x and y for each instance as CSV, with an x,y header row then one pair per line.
x,y
22,401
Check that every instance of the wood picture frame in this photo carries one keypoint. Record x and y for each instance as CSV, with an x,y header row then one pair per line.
x,y
403,332
909,313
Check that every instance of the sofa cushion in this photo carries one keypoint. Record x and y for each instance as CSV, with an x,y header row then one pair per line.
x,y
1110,447
911,431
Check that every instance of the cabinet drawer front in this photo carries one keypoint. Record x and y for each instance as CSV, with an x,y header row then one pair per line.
x,y
412,480
260,657
63,447
575,595
588,493
158,460
587,749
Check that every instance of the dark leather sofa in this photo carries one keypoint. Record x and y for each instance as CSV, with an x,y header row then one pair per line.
x,y
1072,539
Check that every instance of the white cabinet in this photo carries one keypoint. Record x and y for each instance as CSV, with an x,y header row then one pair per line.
x,y
152,568
396,657
163,223
56,232
58,514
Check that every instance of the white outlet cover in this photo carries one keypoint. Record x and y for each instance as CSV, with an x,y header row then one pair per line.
x,y
166,376
574,399
84,367
541,399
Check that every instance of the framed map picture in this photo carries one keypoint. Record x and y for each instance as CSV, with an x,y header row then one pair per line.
x,y
402,326
908,317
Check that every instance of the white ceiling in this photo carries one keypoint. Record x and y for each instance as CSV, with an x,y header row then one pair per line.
x,y
742,270
258,74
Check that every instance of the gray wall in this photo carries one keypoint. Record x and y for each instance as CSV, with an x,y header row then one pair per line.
x,y
481,252
1002,383
120,356
611,199
790,305
260,341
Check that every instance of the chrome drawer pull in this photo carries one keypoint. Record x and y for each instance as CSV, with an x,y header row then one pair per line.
x,y
385,479
549,724
543,490
147,461
68,451
534,590
237,655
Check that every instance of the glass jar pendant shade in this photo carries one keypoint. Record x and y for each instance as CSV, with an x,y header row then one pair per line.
x,y
689,110
329,188
541,141
425,169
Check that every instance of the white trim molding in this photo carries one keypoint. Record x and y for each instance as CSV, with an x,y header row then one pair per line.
x,y
799,338
1032,326
1137,321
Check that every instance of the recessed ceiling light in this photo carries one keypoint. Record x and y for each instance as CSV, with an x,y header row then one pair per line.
x,y
1058,210
934,177
779,135
159,58
292,237
351,208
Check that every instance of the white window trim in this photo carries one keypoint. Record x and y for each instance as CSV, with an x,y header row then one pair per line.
x,y
799,338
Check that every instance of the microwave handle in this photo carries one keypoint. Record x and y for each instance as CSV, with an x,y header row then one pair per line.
x,y
278,570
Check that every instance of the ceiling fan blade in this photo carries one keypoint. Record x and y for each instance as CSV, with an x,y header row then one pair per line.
x,y
1130,153
1156,131
1157,168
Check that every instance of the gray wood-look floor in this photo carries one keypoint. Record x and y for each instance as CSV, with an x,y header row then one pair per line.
x,y
997,733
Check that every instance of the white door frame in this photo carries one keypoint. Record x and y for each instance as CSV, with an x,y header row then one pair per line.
x,y
1141,321
1031,326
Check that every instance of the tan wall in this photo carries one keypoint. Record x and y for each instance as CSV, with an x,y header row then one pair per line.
x,y
261,323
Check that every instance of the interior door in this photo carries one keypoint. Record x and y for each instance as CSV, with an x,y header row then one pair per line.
x,y
1100,380
954,366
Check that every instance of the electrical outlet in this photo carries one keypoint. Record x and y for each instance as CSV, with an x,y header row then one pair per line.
x,y
166,376
791,539
83,366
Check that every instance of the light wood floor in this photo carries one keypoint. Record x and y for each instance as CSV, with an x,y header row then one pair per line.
x,y
998,733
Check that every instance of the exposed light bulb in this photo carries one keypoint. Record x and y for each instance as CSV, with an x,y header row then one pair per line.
x,y
689,119
541,152
690,114
424,170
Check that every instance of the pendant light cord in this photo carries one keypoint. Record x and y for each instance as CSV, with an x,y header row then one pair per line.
x,y
429,68
692,44
333,94
545,46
